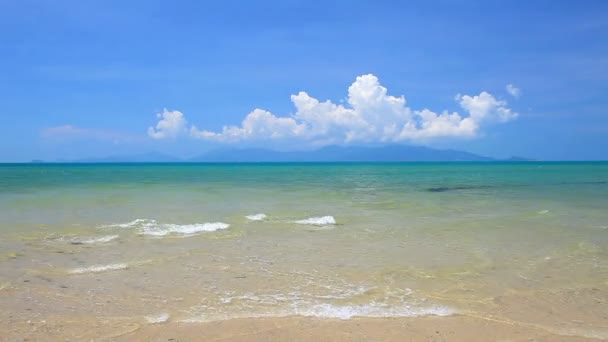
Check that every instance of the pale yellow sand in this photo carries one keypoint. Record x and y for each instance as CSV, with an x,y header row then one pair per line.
x,y
577,315
454,328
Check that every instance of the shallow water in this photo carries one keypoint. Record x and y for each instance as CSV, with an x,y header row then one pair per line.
x,y
202,242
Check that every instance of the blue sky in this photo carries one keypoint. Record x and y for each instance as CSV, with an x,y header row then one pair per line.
x,y
91,78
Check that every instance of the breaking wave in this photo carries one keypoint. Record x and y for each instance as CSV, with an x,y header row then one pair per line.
x,y
153,228
333,311
256,217
98,268
318,221
92,241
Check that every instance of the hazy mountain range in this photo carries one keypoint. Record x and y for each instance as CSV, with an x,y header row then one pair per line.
x,y
390,153
343,154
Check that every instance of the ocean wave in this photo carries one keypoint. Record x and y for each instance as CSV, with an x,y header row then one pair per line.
x,y
333,311
132,224
372,310
153,228
318,221
184,229
92,241
333,301
98,268
256,217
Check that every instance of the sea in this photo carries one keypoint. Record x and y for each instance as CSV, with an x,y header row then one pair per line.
x,y
515,242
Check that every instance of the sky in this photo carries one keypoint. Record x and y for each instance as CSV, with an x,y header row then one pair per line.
x,y
81,79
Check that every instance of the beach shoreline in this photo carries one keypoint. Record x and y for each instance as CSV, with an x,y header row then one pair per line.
x,y
294,328
286,252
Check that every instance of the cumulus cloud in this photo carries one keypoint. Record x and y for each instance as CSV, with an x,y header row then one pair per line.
x,y
257,124
370,115
171,125
485,107
513,90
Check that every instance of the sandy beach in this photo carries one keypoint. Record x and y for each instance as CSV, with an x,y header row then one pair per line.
x,y
318,252
454,328
567,316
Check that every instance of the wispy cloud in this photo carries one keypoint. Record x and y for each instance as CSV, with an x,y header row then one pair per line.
x,y
371,115
513,90
70,132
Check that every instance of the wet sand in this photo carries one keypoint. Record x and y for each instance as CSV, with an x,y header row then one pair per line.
x,y
453,328
570,315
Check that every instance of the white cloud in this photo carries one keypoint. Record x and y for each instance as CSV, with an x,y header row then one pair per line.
x,y
259,123
485,107
369,115
513,90
171,125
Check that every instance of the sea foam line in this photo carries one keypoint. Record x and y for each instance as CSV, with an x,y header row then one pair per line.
x,y
185,229
98,268
331,311
132,224
318,221
256,217
370,310
153,228
91,241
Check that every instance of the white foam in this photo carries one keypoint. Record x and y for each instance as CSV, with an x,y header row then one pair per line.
x,y
335,301
318,221
184,229
98,268
153,228
156,319
132,224
331,311
372,310
256,217
542,212
92,241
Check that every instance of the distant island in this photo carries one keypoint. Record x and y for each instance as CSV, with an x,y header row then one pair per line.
x,y
389,153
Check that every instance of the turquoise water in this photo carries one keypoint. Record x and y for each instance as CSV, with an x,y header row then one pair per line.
x,y
510,240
